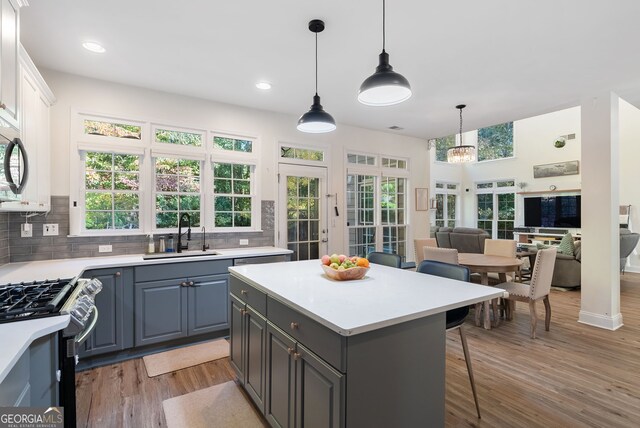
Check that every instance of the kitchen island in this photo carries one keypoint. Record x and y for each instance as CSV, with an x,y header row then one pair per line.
x,y
313,351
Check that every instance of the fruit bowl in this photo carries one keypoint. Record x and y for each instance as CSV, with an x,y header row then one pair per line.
x,y
345,275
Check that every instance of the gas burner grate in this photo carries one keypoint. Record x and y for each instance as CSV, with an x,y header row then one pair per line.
x,y
31,300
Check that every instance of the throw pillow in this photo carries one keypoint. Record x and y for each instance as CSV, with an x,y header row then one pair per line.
x,y
566,245
541,246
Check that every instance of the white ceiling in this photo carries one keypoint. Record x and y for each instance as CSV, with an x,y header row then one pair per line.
x,y
505,59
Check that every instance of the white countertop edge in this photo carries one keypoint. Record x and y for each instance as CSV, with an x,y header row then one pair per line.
x,y
69,268
368,327
17,336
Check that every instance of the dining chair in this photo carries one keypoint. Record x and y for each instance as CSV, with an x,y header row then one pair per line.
x,y
538,289
454,317
445,255
419,244
387,259
502,248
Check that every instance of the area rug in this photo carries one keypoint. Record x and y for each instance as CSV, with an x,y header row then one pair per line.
x,y
189,356
220,406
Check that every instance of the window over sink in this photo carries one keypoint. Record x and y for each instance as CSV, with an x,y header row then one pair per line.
x,y
136,176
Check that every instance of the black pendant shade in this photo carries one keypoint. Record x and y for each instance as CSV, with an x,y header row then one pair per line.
x,y
385,87
316,120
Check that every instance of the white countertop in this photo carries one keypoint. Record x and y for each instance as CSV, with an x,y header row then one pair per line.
x,y
384,297
69,268
15,338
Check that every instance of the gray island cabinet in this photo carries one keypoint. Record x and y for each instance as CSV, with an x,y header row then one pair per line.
x,y
311,351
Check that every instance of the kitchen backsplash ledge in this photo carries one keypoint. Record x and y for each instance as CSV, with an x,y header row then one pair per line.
x,y
13,248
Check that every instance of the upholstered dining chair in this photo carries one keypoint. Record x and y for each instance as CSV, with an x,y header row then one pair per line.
x,y
503,248
387,259
445,255
454,317
419,244
538,289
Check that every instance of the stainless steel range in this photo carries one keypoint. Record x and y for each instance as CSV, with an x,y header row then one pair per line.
x,y
38,299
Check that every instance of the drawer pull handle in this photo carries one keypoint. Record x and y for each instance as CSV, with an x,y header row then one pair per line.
x,y
183,284
294,326
243,292
290,351
118,273
3,106
243,311
296,356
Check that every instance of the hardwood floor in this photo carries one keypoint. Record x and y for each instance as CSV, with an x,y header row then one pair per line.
x,y
571,376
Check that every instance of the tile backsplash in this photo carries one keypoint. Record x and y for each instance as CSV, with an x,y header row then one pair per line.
x,y
13,248
4,238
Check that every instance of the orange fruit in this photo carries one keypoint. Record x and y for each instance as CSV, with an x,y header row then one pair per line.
x,y
362,262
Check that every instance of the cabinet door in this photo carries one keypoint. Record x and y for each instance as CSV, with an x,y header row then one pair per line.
x,y
208,304
108,334
160,311
255,331
280,378
9,62
319,392
236,335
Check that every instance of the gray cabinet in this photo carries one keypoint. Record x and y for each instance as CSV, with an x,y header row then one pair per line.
x,y
248,341
174,308
114,329
302,390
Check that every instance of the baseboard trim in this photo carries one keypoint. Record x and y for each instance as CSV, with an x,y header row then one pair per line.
x,y
601,321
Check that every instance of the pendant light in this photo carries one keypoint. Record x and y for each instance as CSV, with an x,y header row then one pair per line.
x,y
462,153
385,87
316,120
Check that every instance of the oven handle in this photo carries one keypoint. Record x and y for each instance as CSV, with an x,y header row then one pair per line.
x,y
87,331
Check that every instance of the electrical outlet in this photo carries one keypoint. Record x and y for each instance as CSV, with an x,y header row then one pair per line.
x,y
244,242
26,230
50,229
105,248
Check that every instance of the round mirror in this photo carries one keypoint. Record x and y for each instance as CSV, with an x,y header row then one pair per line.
x,y
16,166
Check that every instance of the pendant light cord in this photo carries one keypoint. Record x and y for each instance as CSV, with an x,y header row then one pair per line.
x,y
384,29
316,63
460,126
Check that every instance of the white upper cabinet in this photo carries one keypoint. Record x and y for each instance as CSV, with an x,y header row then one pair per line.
x,y
9,42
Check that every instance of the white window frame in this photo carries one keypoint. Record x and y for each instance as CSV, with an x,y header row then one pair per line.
x,y
147,148
495,191
325,162
445,192
379,172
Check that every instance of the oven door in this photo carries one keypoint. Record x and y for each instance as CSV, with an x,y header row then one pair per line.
x,y
68,353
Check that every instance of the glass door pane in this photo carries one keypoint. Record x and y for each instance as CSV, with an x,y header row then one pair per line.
x,y
485,212
303,227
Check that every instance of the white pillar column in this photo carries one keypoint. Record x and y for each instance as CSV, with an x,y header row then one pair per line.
x,y
600,303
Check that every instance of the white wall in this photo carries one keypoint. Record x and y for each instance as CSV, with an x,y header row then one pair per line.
x,y
630,171
79,93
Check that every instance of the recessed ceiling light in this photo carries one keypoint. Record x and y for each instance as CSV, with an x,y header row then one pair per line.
x,y
93,47
263,85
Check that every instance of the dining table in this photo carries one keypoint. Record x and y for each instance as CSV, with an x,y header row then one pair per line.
x,y
485,264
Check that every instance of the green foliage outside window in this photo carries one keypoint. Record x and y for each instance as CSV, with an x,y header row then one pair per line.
x,y
232,189
495,142
442,145
177,191
178,137
109,129
112,199
232,144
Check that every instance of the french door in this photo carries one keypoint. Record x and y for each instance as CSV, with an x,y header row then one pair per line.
x,y
302,213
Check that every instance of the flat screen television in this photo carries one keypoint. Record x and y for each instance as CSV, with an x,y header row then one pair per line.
x,y
552,211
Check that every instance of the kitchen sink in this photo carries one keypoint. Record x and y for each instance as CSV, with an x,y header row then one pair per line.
x,y
188,253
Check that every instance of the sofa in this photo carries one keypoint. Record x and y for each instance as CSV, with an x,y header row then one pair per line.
x,y
567,271
463,239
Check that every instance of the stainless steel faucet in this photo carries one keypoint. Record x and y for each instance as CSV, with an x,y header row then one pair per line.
x,y
205,246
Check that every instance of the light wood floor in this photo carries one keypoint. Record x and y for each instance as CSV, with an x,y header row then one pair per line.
x,y
571,376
